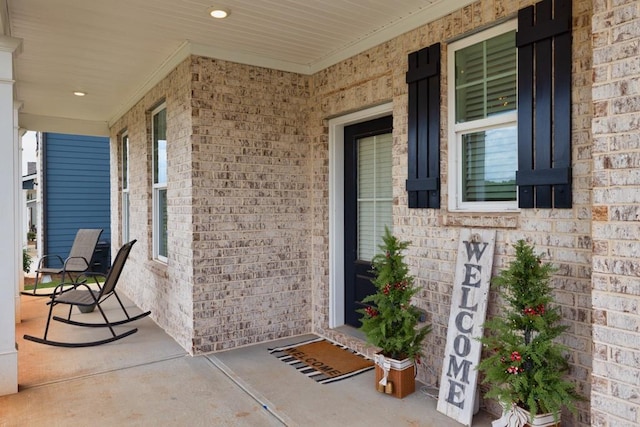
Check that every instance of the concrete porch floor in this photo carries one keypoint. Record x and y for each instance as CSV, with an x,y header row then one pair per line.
x,y
146,379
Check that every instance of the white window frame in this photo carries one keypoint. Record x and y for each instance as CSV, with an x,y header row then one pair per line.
x,y
457,130
124,146
156,190
336,205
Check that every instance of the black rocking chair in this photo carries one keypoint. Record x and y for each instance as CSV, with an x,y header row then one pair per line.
x,y
83,296
78,262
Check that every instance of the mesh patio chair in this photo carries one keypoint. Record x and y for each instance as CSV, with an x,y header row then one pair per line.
x,y
78,261
84,296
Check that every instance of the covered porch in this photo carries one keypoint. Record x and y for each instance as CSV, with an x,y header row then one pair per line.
x,y
228,165
91,69
148,379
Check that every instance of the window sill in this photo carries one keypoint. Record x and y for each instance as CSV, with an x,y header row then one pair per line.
x,y
481,219
157,268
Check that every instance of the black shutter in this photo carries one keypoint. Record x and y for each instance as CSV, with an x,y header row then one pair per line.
x,y
544,105
423,78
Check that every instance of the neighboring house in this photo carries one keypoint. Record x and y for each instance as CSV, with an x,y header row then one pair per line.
x,y
29,185
75,189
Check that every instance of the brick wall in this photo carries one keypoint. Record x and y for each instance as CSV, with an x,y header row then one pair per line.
x,y
165,289
251,204
238,205
616,213
377,76
249,200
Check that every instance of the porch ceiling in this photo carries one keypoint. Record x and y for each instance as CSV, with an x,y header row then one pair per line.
x,y
116,50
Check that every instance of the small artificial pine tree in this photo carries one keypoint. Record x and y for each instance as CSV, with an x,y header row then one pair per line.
x,y
26,261
527,367
391,322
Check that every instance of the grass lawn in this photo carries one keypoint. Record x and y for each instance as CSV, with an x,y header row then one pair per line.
x,y
54,283
41,285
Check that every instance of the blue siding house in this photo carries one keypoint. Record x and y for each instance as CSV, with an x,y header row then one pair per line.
x,y
75,192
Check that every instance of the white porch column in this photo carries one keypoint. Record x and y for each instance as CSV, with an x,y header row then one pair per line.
x,y
10,189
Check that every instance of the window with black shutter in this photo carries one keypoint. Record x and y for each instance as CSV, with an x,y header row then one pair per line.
x,y
503,154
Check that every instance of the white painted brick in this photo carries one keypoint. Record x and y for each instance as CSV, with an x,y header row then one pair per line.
x,y
615,302
624,410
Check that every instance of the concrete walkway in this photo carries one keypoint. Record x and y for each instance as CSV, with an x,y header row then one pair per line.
x,y
147,380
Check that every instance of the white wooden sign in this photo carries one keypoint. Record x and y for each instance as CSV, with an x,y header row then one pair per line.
x,y
457,394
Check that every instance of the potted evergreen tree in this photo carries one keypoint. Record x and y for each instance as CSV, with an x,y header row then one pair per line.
x,y
391,322
526,369
26,261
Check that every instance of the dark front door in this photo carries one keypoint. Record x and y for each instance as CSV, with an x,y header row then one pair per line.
x,y
368,206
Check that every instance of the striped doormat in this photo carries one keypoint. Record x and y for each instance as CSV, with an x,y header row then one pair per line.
x,y
323,360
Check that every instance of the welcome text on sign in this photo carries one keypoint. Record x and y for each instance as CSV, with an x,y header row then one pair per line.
x,y
468,310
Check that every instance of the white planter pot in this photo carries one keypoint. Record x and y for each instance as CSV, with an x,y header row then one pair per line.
x,y
400,365
517,416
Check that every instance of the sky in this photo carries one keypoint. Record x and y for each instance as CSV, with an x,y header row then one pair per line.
x,y
28,150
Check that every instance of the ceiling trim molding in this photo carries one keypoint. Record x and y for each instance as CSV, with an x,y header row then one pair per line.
x,y
428,14
38,123
152,80
188,48
248,58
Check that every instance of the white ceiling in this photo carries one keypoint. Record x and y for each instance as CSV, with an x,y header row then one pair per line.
x,y
115,50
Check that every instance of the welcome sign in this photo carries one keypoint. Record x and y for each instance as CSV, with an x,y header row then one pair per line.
x,y
459,377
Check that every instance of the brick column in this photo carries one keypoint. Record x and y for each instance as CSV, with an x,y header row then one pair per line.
x,y
10,189
616,213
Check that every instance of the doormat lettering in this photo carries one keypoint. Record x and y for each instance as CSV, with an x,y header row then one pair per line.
x,y
323,361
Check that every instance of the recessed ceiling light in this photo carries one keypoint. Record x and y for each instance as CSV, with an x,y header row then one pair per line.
x,y
79,93
218,13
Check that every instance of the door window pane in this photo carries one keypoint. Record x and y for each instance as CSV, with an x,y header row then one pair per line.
x,y
375,192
